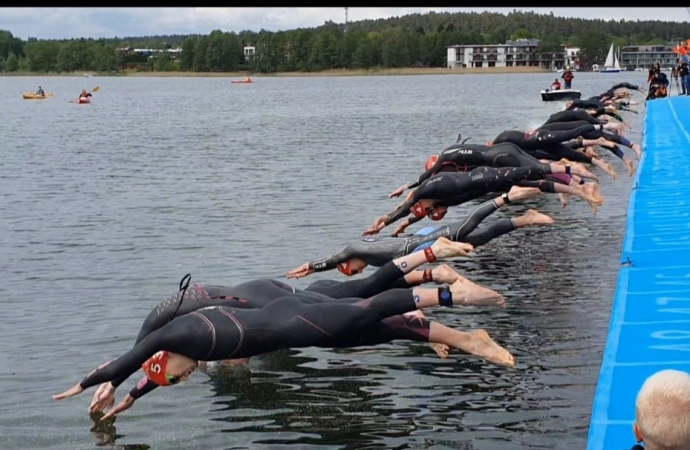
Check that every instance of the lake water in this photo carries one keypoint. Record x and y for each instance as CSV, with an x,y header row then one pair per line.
x,y
104,207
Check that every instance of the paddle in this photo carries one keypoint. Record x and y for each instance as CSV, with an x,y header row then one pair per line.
x,y
96,89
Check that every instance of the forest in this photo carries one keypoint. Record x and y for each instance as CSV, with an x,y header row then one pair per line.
x,y
417,40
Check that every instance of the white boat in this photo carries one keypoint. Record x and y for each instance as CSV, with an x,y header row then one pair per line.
x,y
560,95
611,65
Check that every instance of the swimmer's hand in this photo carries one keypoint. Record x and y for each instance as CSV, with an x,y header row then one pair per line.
x,y
379,225
103,398
301,272
124,405
71,392
398,192
401,228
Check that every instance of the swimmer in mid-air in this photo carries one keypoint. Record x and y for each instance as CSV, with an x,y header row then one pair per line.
x,y
259,293
169,354
435,195
354,258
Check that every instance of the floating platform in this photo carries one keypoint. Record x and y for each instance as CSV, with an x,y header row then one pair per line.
x,y
650,319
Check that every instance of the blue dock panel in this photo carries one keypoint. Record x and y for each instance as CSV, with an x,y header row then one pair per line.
x,y
650,318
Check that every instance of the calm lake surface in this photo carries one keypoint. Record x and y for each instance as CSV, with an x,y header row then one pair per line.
x,y
104,207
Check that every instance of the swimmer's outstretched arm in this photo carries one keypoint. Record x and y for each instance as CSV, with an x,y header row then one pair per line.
x,y
322,265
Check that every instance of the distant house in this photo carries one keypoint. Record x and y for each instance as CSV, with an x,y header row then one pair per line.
x,y
249,53
174,52
518,53
572,55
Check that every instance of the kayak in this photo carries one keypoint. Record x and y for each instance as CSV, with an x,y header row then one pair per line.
x,y
32,96
241,82
84,100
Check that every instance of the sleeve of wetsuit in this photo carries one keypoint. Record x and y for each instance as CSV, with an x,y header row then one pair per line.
x,y
402,210
625,85
332,261
127,364
561,151
143,387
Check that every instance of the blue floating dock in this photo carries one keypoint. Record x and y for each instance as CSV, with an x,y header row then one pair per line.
x,y
650,319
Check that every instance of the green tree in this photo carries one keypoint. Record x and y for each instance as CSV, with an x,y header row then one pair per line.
x,y
11,64
163,62
188,54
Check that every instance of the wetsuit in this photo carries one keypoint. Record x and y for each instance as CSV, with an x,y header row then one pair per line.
x,y
456,188
258,293
543,144
573,116
586,104
291,321
594,134
380,250
466,157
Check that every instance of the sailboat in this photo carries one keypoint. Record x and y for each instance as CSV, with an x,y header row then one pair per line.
x,y
611,65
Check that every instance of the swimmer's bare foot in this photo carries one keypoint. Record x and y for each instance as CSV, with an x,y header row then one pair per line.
x,y
589,151
630,165
442,350
532,217
445,248
638,150
235,362
444,274
608,168
468,293
564,200
592,194
582,171
517,193
486,348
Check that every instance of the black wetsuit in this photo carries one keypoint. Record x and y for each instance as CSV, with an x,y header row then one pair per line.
x,y
594,134
466,157
291,321
380,250
586,104
573,116
456,188
549,145
258,293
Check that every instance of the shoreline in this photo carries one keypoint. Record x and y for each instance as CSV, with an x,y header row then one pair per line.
x,y
407,71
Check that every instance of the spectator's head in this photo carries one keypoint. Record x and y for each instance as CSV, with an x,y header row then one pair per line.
x,y
662,417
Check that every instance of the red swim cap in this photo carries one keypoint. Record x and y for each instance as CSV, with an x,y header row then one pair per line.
x,y
155,368
345,268
419,210
430,162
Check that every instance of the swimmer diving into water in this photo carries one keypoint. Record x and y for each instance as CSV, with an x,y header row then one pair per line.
x,y
169,354
354,258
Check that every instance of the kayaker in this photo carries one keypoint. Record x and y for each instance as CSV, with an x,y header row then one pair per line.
x,y
41,92
568,77
556,85
85,94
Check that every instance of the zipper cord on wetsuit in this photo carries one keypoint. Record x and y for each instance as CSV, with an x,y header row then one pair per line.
x,y
466,139
184,284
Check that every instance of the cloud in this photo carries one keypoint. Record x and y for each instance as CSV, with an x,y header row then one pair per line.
x,y
60,23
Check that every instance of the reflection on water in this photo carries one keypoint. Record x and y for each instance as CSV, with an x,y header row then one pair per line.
x,y
106,208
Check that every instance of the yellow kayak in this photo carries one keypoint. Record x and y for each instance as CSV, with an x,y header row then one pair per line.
x,y
32,96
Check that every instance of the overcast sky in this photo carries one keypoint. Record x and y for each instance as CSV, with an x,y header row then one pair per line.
x,y
59,23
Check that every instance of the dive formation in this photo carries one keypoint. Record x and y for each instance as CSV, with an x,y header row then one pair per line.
x,y
202,323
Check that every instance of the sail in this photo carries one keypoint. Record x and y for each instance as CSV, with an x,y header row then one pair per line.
x,y
610,57
616,63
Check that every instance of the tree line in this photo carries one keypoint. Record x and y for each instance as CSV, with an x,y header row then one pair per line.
x,y
412,40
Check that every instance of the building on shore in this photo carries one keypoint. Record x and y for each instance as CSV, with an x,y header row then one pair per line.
x,y
518,53
643,56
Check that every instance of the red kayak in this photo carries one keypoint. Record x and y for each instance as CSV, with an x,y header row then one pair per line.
x,y
245,81
84,100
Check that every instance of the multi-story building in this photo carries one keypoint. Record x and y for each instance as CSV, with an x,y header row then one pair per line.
x,y
643,56
519,53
